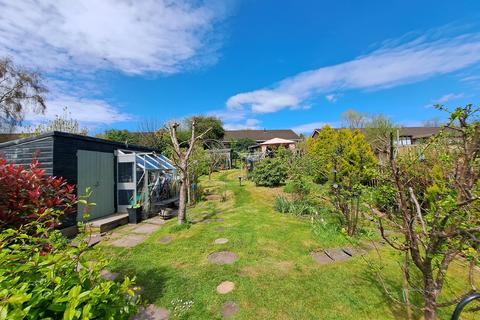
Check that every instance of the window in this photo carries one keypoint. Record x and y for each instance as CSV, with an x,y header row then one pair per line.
x,y
125,197
125,172
405,141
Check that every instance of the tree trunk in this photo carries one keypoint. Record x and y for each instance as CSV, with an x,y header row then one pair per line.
x,y
182,208
430,311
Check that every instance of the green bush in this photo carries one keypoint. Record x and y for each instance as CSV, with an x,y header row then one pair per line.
x,y
269,172
46,278
384,198
299,186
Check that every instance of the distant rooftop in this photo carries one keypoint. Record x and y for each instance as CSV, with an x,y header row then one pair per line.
x,y
260,135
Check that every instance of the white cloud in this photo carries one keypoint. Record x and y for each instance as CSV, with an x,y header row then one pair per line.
x,y
248,124
331,98
158,36
392,65
262,101
448,97
89,112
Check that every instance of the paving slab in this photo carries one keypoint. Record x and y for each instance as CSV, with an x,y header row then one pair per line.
x,y
221,241
225,287
223,257
229,309
321,258
337,254
353,252
157,220
152,312
91,240
165,239
146,228
128,241
109,275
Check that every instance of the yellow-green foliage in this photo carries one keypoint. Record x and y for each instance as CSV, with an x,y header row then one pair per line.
x,y
347,148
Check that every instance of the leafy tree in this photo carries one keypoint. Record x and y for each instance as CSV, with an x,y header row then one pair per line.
x,y
204,123
19,89
344,158
437,193
63,123
377,132
242,145
123,136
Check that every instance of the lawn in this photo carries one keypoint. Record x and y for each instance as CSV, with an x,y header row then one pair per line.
x,y
275,276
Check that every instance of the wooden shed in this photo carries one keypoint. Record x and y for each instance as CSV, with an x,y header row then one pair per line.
x,y
83,161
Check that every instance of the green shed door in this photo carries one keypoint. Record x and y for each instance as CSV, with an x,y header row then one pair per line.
x,y
96,170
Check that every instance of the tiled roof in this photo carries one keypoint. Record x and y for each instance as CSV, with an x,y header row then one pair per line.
x,y
260,135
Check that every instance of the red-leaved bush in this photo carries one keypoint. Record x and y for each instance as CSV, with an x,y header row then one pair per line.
x,y
27,195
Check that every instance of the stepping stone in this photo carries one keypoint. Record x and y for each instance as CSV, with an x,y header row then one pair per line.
x,y
152,312
354,251
128,241
156,220
109,275
337,254
220,229
146,228
229,309
165,239
321,258
221,241
223,257
225,287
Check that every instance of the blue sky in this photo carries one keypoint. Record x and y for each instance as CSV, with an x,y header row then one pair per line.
x,y
255,64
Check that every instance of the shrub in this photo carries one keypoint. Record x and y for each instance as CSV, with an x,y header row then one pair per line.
x,y
384,198
27,195
297,207
300,186
269,172
46,278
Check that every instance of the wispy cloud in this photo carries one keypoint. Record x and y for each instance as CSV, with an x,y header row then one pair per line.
x,y
247,124
158,36
448,97
89,112
394,64
331,98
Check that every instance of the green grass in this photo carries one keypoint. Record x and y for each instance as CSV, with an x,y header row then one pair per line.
x,y
275,277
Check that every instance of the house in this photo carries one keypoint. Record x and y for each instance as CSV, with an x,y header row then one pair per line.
x,y
116,173
259,136
406,136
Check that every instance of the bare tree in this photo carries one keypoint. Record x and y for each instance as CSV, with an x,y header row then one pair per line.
x,y
63,123
353,119
438,210
19,90
181,160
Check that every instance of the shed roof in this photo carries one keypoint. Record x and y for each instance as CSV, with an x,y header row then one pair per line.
x,y
76,137
260,135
